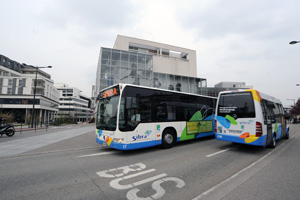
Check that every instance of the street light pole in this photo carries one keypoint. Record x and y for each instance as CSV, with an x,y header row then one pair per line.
x,y
292,100
34,91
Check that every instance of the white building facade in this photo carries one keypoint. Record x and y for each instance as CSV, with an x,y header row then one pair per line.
x,y
17,92
73,104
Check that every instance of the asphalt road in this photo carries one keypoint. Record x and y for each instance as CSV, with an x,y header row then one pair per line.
x,y
78,168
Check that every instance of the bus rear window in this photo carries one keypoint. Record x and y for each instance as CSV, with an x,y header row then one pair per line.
x,y
237,105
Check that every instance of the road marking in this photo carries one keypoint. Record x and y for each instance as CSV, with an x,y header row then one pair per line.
x,y
115,183
132,194
213,154
219,192
96,154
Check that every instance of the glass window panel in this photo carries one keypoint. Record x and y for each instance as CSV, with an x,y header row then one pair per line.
x,y
198,83
133,57
115,70
115,63
184,84
124,65
133,69
103,79
156,81
124,56
170,82
116,78
192,84
106,54
203,83
124,75
149,62
105,69
132,80
103,86
149,75
141,66
116,55
177,83
105,62
162,79
110,80
147,82
141,59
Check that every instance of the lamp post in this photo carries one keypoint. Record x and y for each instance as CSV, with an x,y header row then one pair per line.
x,y
292,100
294,42
34,91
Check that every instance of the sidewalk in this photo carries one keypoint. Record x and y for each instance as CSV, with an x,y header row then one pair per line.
x,y
23,145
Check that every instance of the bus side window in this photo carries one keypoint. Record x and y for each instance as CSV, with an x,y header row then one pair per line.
x,y
278,113
161,112
268,111
264,110
271,107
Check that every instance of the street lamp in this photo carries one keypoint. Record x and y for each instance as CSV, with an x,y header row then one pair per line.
x,y
34,91
294,42
292,100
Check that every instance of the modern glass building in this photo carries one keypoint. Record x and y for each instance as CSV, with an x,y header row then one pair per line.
x,y
119,66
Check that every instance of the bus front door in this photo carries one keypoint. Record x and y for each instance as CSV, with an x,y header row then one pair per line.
x,y
269,133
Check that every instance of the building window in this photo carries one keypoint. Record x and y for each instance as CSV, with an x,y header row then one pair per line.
x,y
9,90
20,90
10,81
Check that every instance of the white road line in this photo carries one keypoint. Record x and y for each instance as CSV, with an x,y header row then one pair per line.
x,y
213,154
217,187
96,154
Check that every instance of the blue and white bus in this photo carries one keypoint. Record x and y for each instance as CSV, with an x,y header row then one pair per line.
x,y
250,117
132,117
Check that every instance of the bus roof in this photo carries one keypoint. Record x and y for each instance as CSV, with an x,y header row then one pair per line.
x,y
154,88
263,95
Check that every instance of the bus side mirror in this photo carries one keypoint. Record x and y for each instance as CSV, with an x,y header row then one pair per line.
x,y
287,117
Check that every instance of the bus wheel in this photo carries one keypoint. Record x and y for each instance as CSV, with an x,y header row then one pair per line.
x,y
168,139
287,135
273,142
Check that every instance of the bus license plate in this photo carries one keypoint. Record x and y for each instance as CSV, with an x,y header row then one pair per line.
x,y
235,131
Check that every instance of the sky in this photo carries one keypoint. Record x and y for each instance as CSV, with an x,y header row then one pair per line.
x,y
243,41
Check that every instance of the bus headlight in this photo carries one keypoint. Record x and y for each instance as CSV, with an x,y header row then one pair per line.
x,y
118,140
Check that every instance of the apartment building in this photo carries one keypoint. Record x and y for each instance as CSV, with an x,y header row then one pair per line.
x,y
73,104
17,92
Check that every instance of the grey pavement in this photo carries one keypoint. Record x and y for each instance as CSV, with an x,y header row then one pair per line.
x,y
274,176
23,145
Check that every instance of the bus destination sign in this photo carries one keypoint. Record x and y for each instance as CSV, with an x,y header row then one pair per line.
x,y
110,92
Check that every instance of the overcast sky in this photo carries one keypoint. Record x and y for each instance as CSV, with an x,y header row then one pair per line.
x,y
235,40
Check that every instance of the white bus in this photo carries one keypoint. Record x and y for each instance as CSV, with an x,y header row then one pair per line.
x,y
250,117
132,117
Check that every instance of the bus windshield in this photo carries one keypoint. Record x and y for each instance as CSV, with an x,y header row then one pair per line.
x,y
107,113
237,105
